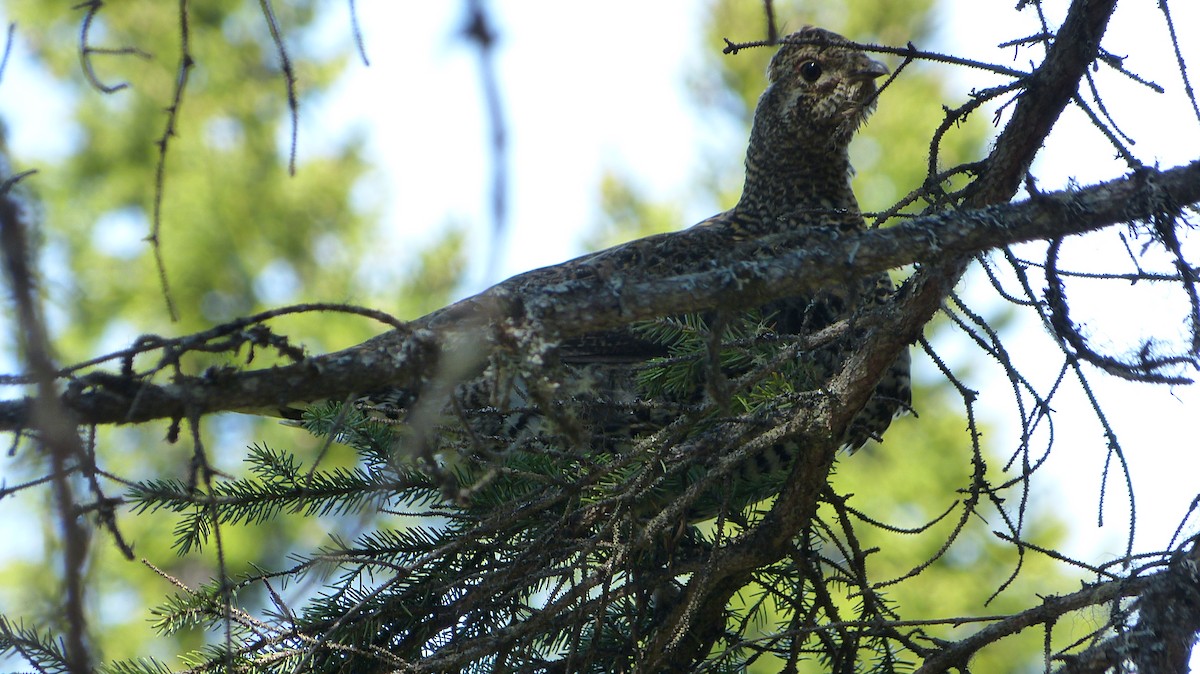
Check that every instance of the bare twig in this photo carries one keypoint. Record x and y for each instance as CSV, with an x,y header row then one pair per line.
x,y
86,50
480,31
359,43
289,78
956,655
8,44
53,423
186,63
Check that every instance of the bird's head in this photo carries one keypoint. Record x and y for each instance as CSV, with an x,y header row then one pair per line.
x,y
821,84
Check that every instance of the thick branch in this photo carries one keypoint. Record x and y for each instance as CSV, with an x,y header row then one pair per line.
x,y
952,239
1169,617
701,616
609,289
957,654
1047,93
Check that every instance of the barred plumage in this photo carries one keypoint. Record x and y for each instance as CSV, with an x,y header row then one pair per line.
x,y
610,391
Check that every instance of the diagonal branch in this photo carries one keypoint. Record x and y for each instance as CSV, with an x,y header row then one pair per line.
x,y
957,654
695,624
1047,93
1168,606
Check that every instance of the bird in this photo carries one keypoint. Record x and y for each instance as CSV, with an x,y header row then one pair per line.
x,y
601,398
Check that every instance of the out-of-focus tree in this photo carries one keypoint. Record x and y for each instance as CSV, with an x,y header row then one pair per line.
x,y
237,233
514,510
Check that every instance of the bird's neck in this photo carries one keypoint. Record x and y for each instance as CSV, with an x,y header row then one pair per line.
x,y
790,177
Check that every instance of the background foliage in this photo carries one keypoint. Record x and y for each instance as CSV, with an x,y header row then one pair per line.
x,y
239,235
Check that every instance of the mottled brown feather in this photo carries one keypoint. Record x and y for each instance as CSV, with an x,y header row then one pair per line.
x,y
820,90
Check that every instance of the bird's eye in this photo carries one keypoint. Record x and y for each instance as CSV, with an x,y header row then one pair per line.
x,y
810,71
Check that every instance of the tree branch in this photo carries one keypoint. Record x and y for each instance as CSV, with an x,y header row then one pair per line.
x,y
621,285
957,654
1047,93
1168,606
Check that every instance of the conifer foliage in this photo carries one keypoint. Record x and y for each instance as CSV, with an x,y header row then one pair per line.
x,y
634,461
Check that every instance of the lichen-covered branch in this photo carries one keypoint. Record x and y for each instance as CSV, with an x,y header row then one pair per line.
x,y
584,295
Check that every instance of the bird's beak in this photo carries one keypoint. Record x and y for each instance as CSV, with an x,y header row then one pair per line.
x,y
870,71
867,92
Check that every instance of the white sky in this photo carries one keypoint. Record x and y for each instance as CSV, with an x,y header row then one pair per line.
x,y
607,92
